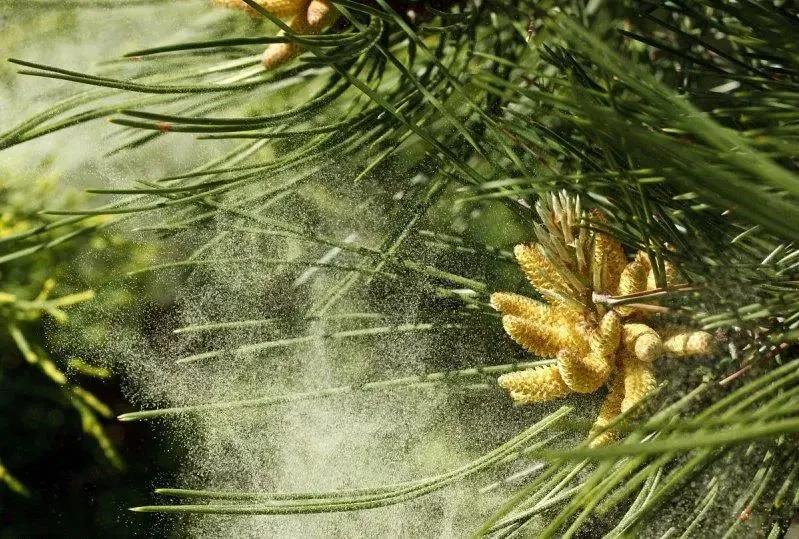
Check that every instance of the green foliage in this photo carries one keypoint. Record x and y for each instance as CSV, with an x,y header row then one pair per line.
x,y
398,177
40,286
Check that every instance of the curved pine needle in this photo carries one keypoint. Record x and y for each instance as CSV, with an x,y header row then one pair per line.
x,y
421,380
369,498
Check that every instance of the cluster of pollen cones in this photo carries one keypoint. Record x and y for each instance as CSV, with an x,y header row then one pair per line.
x,y
306,17
594,344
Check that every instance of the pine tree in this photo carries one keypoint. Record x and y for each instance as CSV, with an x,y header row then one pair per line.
x,y
375,186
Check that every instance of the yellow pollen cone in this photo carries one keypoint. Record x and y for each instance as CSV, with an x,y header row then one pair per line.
x,y
642,342
638,381
320,14
607,258
279,8
672,277
539,338
575,269
605,340
583,374
540,384
518,305
541,273
308,17
277,54
690,343
610,409
634,276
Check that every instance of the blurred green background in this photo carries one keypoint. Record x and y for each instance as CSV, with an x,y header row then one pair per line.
x,y
69,469
69,466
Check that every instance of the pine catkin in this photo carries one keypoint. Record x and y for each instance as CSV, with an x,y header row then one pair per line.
x,y
540,384
610,409
638,381
691,343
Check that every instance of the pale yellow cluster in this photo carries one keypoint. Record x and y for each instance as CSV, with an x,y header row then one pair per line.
x,y
571,265
306,17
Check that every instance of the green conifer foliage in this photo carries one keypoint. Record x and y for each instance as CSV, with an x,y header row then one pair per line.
x,y
360,205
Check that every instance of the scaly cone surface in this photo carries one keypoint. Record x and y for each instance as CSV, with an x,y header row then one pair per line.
x,y
594,344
